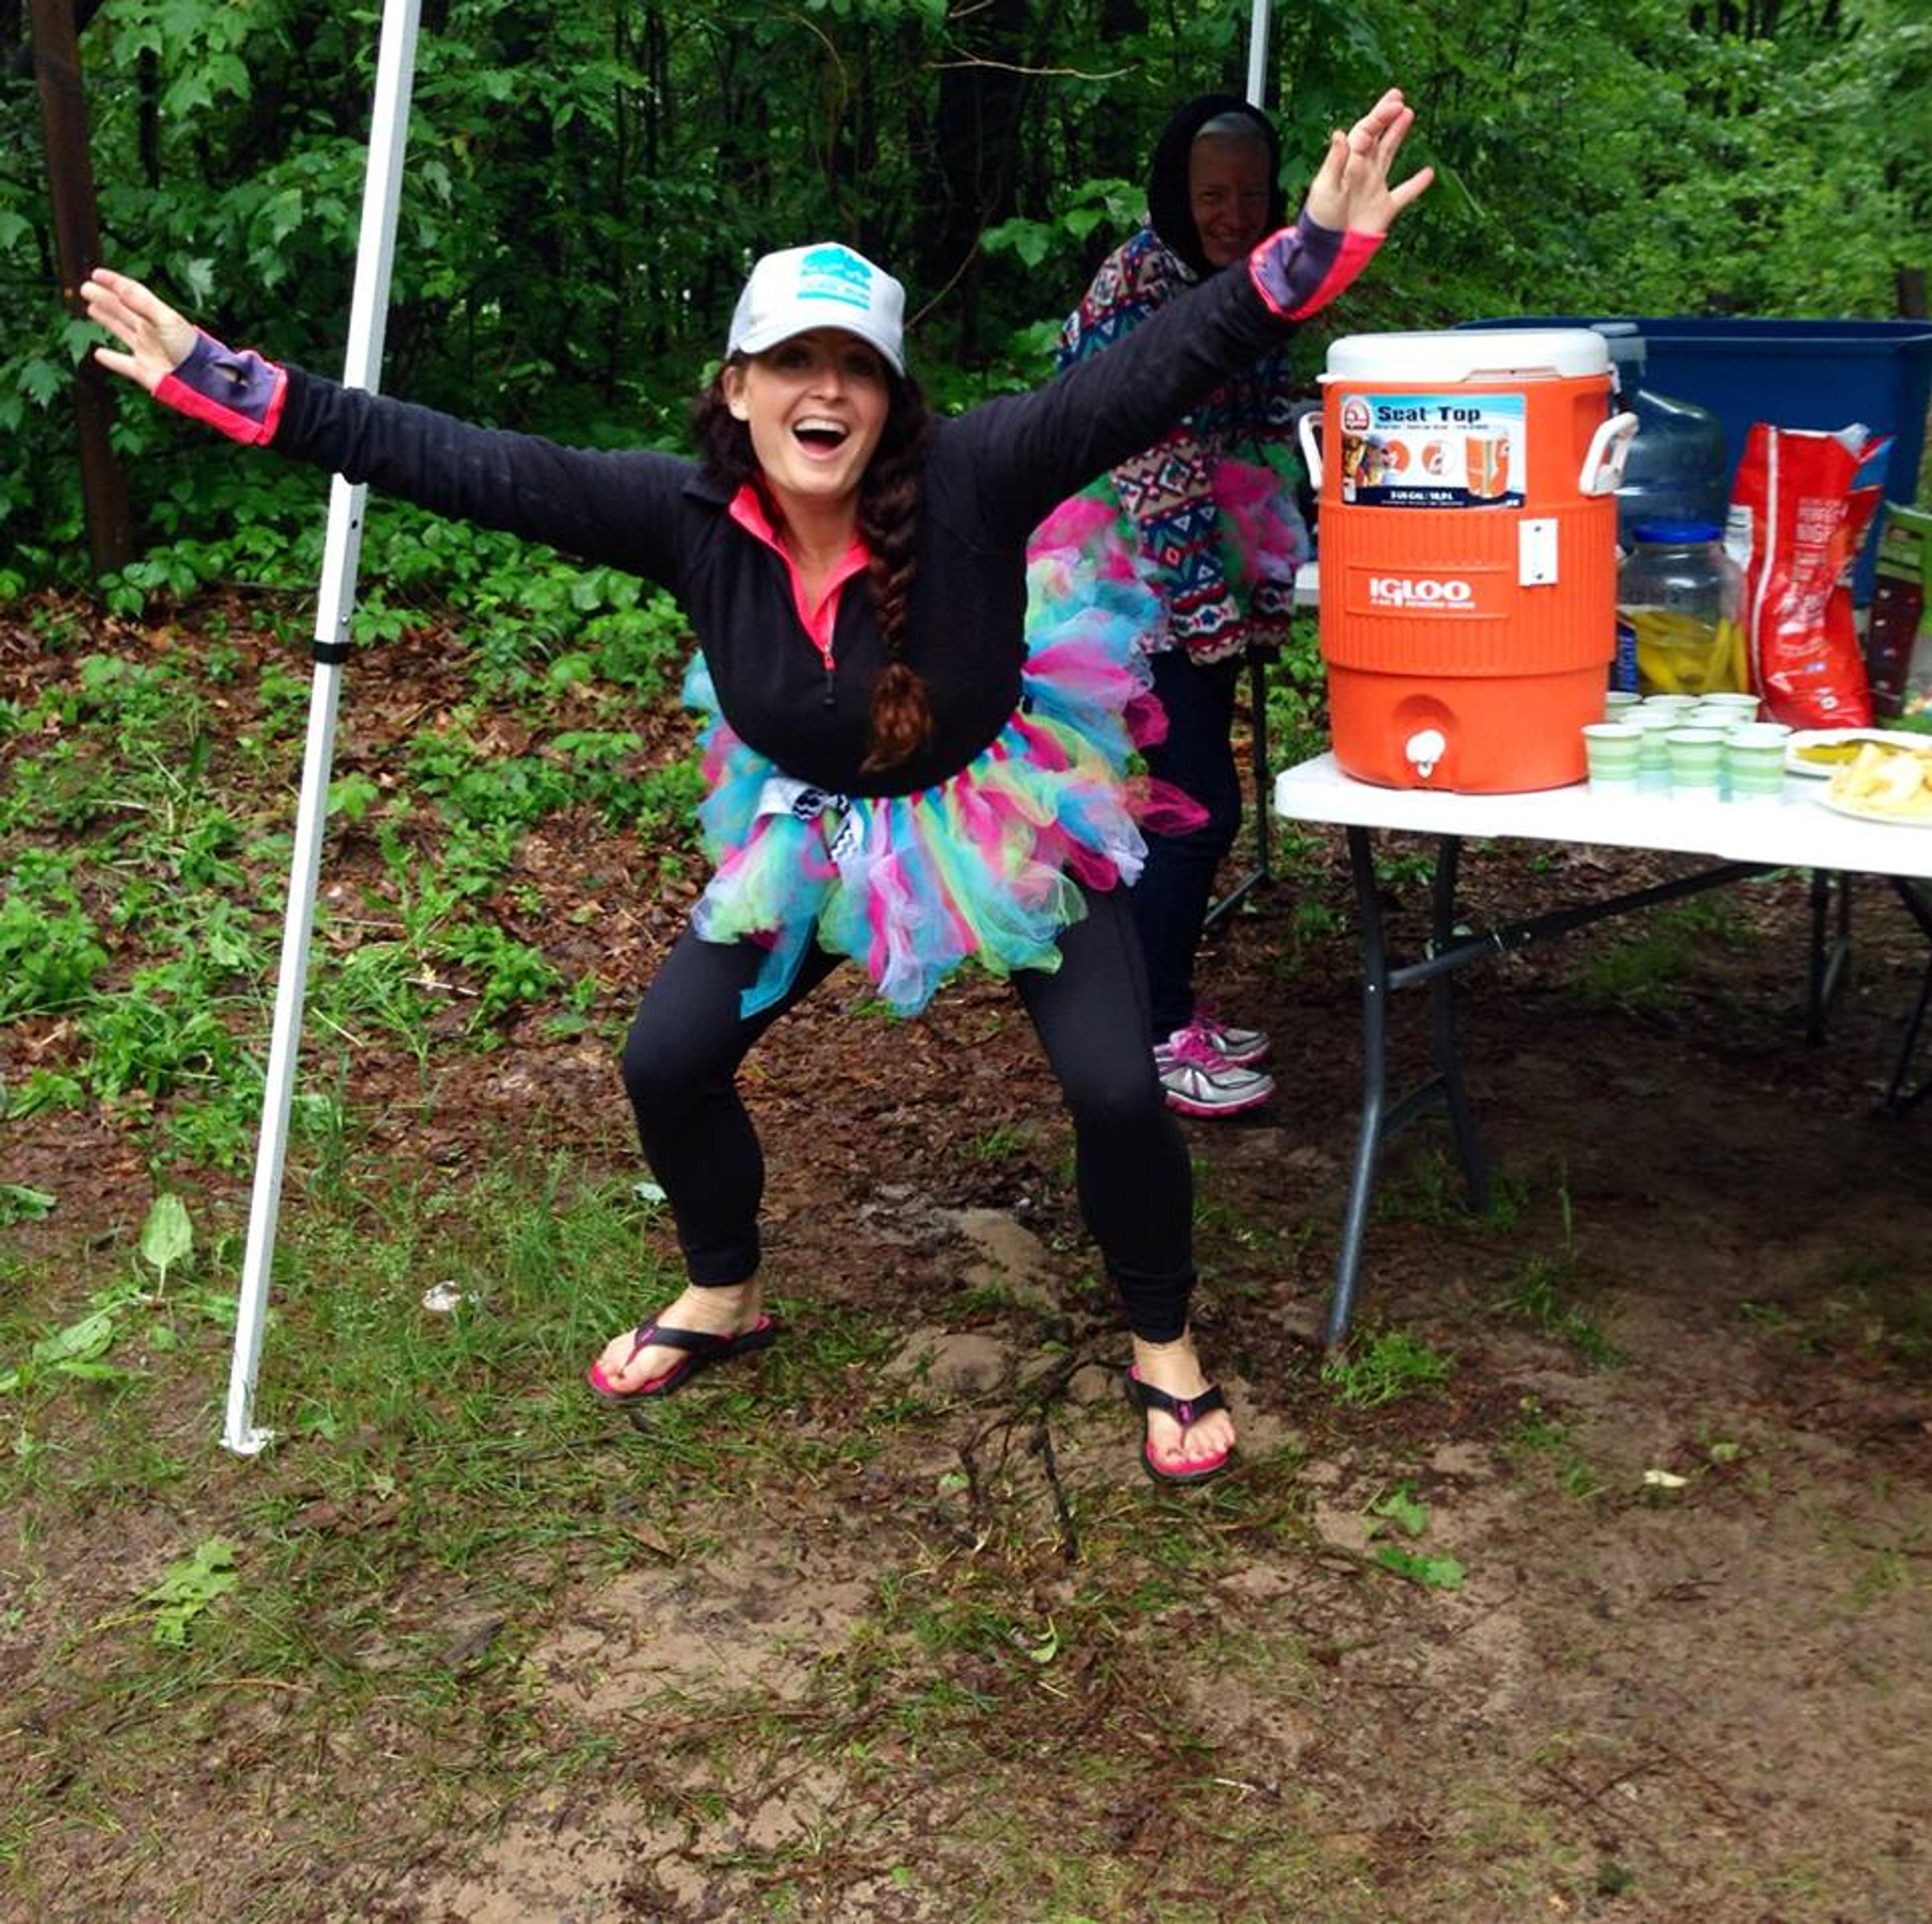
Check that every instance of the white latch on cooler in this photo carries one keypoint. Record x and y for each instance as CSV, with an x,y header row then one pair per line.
x,y
1536,552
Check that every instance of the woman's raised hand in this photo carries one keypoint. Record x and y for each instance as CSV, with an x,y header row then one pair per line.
x,y
157,339
1351,190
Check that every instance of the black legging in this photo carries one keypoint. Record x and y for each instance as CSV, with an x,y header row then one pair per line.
x,y
1131,1163
1172,898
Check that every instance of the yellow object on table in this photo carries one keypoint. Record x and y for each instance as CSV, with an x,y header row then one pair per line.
x,y
1893,783
1678,653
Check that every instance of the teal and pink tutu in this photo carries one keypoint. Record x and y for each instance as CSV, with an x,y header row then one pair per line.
x,y
988,866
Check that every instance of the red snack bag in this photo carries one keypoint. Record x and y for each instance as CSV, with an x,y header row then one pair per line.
x,y
1800,507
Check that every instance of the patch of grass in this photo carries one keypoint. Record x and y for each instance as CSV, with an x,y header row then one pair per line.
x,y
1428,1187
1875,1301
1672,949
1002,1143
1544,1293
370,1585
1219,1223
1384,1367
1538,1437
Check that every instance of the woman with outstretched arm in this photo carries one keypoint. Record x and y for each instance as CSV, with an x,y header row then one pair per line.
x,y
894,779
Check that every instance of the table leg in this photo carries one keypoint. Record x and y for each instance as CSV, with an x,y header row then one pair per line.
x,y
1451,950
1829,957
1448,1058
1263,787
1374,1084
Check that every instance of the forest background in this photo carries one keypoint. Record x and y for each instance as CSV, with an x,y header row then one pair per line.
x,y
586,182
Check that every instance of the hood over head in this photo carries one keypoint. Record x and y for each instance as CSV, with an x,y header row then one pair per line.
x,y
1167,208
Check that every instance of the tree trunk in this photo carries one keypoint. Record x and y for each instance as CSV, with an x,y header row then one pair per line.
x,y
980,95
77,239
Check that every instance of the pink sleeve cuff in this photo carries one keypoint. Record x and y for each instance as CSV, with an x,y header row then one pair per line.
x,y
237,395
1299,271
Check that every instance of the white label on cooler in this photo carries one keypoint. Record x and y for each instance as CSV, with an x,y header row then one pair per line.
x,y
1431,450
1481,592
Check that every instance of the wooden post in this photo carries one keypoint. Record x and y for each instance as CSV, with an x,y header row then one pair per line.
x,y
77,242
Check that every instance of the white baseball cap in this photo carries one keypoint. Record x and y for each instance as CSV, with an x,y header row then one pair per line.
x,y
824,285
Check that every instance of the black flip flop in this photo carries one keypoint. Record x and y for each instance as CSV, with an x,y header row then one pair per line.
x,y
701,1350
1186,1411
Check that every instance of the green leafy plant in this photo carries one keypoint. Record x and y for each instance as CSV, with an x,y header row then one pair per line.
x,y
1432,1572
189,1588
49,956
512,972
167,1236
73,1351
1401,1508
20,1202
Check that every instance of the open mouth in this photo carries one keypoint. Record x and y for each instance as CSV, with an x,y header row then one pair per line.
x,y
821,434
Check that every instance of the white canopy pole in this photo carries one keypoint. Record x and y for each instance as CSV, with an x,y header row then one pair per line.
x,y
375,251
1257,52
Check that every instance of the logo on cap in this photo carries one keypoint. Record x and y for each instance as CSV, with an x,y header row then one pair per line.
x,y
835,273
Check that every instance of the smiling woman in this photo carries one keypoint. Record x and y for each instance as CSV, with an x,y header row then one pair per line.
x,y
897,775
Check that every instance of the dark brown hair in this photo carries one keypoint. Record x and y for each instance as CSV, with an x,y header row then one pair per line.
x,y
888,490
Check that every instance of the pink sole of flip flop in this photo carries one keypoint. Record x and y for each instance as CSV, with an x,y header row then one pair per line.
x,y
759,1336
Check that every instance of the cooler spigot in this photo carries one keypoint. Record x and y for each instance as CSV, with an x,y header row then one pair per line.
x,y
1424,749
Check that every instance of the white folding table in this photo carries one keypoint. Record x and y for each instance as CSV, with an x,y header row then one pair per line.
x,y
1743,838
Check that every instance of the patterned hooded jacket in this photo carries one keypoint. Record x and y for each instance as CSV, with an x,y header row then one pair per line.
x,y
1216,602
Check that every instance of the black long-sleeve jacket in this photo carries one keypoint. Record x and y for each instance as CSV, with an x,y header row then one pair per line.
x,y
992,473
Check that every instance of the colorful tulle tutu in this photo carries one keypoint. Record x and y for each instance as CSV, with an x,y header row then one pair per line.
x,y
1263,539
987,866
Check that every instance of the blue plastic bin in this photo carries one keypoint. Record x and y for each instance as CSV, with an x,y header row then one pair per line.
x,y
1799,373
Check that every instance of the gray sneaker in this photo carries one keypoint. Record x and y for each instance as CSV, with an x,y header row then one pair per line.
x,y
1198,1082
1239,1048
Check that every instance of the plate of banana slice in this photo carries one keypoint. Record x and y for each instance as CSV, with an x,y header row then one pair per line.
x,y
1822,753
1884,783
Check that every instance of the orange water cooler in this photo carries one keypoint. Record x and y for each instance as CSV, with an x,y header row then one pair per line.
x,y
1468,554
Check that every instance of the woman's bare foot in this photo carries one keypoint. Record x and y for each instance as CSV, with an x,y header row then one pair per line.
x,y
710,1311
1175,1368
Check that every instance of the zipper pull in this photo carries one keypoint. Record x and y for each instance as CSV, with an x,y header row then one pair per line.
x,y
831,690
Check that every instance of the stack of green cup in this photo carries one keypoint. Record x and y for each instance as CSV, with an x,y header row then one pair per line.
x,y
1611,751
1696,761
1744,708
1653,762
1754,761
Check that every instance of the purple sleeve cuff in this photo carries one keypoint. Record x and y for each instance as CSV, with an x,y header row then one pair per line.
x,y
239,394
1299,270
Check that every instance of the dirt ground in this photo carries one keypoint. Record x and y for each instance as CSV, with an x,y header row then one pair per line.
x,y
1681,1457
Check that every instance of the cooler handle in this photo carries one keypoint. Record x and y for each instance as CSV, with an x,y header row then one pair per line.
x,y
1609,448
1311,448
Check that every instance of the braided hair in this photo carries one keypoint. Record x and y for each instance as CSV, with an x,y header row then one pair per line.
x,y
901,719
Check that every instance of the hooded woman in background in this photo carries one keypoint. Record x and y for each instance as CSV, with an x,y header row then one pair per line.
x,y
1205,516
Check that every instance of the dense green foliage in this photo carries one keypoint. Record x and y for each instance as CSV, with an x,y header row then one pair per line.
x,y
586,180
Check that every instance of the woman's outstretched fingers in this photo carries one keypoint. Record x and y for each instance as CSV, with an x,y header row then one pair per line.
x,y
1351,189
1373,144
1368,132
1327,200
157,339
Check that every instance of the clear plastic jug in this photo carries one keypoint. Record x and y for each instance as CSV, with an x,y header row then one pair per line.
x,y
1678,604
